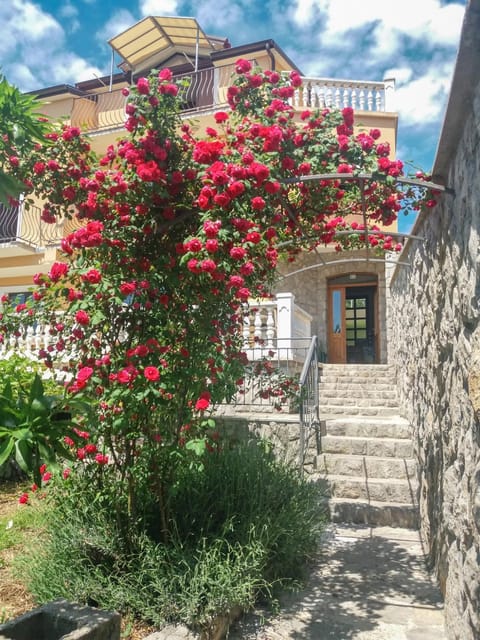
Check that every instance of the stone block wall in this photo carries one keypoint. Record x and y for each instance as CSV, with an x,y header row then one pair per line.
x,y
435,343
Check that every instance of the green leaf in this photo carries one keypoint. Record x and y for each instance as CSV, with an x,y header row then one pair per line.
x,y
24,455
198,446
6,449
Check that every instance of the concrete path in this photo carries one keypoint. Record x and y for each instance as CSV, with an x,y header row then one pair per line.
x,y
368,584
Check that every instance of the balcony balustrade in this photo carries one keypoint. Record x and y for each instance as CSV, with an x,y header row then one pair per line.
x,y
275,329
206,90
21,225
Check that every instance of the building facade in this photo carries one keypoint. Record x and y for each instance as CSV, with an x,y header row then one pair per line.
x,y
339,297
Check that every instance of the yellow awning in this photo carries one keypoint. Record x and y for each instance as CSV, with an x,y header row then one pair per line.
x,y
159,38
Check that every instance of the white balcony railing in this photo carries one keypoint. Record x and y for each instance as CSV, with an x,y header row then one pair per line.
x,y
276,328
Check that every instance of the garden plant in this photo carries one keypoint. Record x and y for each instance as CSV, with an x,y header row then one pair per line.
x,y
176,232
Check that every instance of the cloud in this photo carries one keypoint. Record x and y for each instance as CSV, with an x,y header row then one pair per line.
x,y
158,7
421,99
427,19
33,48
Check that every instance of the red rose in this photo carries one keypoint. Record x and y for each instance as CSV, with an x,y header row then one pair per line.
x,y
165,75
143,86
237,253
221,116
151,373
84,374
242,66
82,317
258,203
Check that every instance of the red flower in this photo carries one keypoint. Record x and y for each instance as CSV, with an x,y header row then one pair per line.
x,y
237,253
101,458
90,448
165,75
258,203
58,270
66,472
151,373
81,454
203,401
143,86
208,266
221,116
42,468
82,317
23,499
46,477
242,66
93,276
84,374
127,288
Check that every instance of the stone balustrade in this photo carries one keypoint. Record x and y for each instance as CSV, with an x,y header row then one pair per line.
x,y
276,328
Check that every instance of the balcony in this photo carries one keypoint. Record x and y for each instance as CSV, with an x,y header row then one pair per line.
x,y
22,226
206,91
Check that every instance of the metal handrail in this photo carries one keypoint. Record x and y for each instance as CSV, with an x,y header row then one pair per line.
x,y
309,401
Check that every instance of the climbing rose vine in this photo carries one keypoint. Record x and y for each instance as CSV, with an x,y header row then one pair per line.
x,y
172,232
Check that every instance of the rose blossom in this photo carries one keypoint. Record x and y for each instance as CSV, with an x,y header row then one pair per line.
x,y
151,373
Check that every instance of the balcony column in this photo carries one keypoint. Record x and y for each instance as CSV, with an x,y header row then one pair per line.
x,y
389,91
285,316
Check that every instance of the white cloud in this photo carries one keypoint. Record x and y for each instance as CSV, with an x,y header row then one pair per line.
x,y
426,20
67,10
33,48
421,100
158,7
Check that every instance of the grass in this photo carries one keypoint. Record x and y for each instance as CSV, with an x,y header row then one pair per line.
x,y
18,525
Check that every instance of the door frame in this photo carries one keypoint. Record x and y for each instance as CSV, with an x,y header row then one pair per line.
x,y
337,340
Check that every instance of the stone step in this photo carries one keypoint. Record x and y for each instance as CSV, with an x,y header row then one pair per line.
x,y
374,513
356,368
357,372
367,446
356,386
376,489
367,466
394,427
357,394
353,401
328,411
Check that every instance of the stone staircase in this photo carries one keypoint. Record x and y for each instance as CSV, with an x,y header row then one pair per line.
x,y
367,452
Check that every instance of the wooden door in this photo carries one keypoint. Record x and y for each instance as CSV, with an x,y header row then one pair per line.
x,y
337,343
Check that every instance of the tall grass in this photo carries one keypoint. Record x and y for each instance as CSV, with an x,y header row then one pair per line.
x,y
243,525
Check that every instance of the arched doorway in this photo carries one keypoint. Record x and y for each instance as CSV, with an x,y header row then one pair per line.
x,y
352,311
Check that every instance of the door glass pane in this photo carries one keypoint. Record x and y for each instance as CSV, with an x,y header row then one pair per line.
x,y
337,312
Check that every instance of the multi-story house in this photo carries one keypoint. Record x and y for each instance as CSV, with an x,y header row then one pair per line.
x,y
339,297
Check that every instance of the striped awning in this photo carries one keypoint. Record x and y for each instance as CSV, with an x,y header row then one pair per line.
x,y
158,38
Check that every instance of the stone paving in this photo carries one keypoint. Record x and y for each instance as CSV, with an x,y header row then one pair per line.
x,y
368,583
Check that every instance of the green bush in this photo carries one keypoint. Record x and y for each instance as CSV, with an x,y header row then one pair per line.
x,y
243,525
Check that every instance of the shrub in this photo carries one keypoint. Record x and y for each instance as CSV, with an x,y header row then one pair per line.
x,y
242,526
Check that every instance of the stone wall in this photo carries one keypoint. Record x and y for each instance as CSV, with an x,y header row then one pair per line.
x,y
435,325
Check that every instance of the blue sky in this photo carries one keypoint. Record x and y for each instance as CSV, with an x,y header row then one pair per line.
x,y
48,42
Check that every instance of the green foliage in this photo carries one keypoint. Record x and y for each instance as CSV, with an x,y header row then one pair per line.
x,y
242,525
20,373
32,427
20,127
